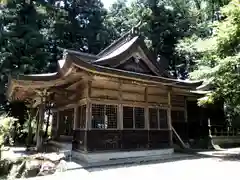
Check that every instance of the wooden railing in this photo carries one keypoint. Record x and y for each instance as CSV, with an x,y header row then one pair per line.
x,y
221,130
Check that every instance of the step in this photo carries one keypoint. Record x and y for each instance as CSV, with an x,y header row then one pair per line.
x,y
131,161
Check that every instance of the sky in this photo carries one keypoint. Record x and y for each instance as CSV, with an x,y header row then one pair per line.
x,y
108,3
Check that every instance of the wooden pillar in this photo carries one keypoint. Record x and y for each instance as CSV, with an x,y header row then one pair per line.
x,y
186,116
185,109
31,116
58,119
120,117
41,120
146,109
75,118
170,117
89,106
88,113
120,107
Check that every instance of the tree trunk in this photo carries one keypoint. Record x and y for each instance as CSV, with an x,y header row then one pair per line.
x,y
33,114
39,130
30,116
48,118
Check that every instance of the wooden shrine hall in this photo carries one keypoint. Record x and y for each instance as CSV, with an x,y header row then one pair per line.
x,y
119,100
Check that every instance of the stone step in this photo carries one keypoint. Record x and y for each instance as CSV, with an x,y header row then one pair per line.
x,y
129,161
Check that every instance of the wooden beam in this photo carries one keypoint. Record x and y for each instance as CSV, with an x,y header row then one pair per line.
x,y
128,81
70,104
61,91
76,84
116,102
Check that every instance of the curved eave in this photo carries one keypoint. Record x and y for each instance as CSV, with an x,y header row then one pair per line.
x,y
114,44
38,80
84,56
132,75
118,52
71,61
135,44
200,92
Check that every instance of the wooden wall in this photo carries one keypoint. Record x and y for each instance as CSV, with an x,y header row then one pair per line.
x,y
112,91
101,140
128,93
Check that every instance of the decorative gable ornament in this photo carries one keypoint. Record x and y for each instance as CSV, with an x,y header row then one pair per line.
x,y
65,53
135,31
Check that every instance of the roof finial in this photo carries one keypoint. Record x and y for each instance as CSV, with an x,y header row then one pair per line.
x,y
135,30
65,53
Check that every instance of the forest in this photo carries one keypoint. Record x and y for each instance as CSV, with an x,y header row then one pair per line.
x,y
192,39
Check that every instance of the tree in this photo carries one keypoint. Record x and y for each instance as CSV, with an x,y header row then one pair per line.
x,y
77,25
164,23
220,58
22,45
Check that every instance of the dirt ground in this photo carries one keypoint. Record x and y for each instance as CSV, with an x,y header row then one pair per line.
x,y
190,169
213,165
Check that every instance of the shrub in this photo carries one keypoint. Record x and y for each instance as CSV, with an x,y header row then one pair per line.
x,y
8,129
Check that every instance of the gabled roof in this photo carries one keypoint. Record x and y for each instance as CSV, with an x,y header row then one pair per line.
x,y
130,44
105,63
84,56
127,45
72,62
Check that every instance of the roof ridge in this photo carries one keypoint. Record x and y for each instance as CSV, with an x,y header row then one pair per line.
x,y
131,32
78,52
124,36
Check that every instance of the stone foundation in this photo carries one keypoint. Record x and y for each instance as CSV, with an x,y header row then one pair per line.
x,y
106,156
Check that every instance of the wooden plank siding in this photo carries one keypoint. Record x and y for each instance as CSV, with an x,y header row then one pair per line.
x,y
123,94
101,140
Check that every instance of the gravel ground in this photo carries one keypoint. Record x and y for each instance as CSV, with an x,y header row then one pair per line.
x,y
191,169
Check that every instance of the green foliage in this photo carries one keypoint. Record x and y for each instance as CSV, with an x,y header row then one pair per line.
x,y
164,23
8,127
23,47
220,58
31,32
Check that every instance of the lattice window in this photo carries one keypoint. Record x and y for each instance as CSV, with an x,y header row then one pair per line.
x,y
111,113
163,120
158,118
81,123
133,116
139,117
98,116
127,117
153,118
104,116
178,115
